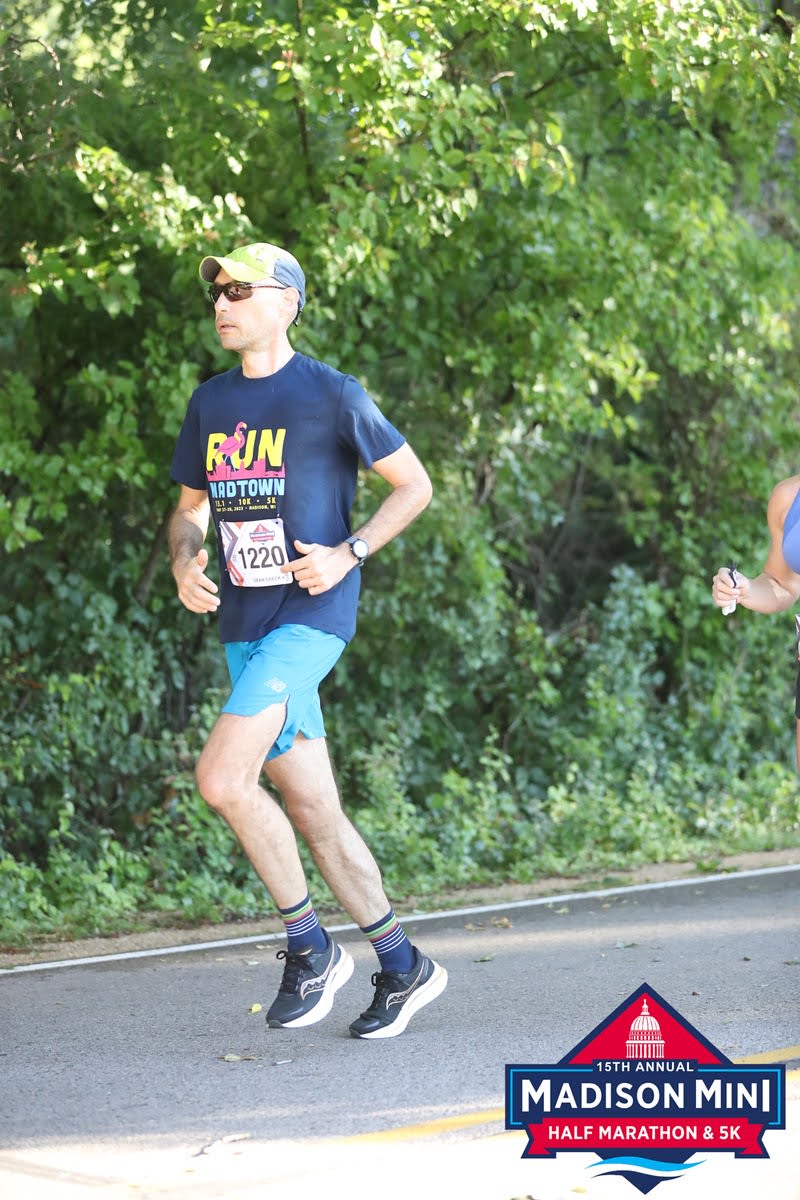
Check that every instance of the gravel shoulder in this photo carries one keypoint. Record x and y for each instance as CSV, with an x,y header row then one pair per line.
x,y
180,935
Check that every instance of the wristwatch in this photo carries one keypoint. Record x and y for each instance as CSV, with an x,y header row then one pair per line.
x,y
359,547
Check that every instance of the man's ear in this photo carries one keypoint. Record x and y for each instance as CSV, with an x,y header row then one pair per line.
x,y
291,298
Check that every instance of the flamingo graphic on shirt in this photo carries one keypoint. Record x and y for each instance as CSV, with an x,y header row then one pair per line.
x,y
246,469
232,445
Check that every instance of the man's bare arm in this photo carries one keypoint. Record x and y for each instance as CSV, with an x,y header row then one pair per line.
x,y
411,493
186,536
321,567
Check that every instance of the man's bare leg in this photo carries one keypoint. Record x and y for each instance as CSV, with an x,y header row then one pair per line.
x,y
228,774
304,777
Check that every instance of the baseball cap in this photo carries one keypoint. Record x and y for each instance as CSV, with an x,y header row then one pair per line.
x,y
261,260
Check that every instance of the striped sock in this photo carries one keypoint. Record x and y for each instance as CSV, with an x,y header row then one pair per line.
x,y
303,928
390,943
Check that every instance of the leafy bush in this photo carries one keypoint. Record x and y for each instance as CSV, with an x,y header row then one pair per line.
x,y
558,244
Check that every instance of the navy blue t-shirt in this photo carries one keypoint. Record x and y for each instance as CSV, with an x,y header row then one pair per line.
x,y
279,458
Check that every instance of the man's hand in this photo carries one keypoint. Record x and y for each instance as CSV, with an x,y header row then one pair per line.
x,y
321,567
196,591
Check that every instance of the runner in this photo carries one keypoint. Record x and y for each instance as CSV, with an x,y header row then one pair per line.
x,y
778,586
269,451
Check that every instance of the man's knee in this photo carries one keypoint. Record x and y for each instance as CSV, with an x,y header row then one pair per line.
x,y
317,816
214,782
231,760
221,782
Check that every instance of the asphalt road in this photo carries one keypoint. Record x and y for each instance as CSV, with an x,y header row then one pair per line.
x,y
151,1076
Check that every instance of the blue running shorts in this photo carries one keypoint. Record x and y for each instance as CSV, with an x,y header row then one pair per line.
x,y
286,666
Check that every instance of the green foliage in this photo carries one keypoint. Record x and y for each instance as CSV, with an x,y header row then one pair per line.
x,y
647,778
558,242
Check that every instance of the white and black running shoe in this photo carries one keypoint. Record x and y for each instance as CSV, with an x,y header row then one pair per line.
x,y
310,981
398,996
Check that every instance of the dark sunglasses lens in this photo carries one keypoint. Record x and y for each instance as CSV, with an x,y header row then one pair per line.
x,y
238,291
232,291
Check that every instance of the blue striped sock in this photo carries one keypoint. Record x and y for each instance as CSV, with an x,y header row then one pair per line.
x,y
389,941
303,928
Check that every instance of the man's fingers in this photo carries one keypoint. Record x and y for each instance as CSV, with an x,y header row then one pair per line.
x,y
298,565
317,570
205,582
197,590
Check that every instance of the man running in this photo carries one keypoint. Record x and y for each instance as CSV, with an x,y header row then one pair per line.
x,y
269,451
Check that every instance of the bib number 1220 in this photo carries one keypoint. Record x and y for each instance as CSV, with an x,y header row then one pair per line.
x,y
254,552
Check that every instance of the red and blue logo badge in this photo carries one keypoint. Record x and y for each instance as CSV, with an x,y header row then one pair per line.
x,y
648,1094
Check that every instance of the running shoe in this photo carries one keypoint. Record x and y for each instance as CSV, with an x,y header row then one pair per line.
x,y
310,981
398,996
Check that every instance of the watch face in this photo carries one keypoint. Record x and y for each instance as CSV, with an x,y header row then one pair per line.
x,y
360,548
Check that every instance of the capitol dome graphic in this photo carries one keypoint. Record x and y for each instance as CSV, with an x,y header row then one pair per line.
x,y
644,1039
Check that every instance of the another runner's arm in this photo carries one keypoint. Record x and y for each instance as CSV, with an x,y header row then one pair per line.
x,y
187,534
778,586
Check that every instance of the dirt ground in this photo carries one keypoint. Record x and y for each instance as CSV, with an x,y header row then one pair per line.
x,y
163,936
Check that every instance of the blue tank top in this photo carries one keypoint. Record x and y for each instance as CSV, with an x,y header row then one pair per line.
x,y
791,536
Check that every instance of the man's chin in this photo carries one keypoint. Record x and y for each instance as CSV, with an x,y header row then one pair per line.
x,y
228,339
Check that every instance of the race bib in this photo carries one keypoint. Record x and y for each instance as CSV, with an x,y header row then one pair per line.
x,y
254,552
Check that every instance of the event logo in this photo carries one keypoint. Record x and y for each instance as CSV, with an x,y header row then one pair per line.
x,y
246,471
645,1092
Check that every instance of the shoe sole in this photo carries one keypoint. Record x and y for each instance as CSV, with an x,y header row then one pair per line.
x,y
429,991
338,978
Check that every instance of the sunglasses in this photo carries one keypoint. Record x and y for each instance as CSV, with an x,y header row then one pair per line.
x,y
237,291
